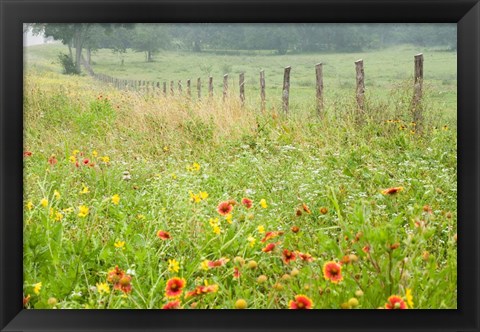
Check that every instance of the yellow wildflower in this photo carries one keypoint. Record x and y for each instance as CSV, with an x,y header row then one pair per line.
x,y
68,210
194,197
116,199
251,241
120,244
72,159
85,190
409,297
173,265
37,287
213,222
94,153
83,211
174,176
228,218
103,288
203,194
261,229
58,216
216,229
204,265
195,167
29,205
165,148
75,152
105,159
263,203
44,202
56,194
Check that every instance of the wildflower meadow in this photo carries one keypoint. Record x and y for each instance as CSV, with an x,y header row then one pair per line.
x,y
143,201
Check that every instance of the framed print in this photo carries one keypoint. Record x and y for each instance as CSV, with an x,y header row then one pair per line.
x,y
225,155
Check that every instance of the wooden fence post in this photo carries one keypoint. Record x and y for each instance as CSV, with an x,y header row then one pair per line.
x,y
164,89
210,86
417,91
199,88
189,89
286,89
241,84
225,86
319,78
180,89
262,90
360,92
171,88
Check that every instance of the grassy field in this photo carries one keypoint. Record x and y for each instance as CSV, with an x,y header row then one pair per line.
x,y
386,72
141,201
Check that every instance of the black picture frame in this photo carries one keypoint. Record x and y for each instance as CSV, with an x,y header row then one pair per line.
x,y
466,13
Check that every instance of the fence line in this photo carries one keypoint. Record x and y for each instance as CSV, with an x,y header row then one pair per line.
x,y
150,86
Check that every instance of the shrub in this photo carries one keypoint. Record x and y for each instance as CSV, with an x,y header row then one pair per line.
x,y
67,64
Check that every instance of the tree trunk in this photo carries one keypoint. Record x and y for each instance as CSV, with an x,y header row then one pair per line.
x,y
149,56
70,49
89,56
196,46
77,43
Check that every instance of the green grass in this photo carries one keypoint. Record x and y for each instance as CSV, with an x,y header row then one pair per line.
x,y
331,162
386,71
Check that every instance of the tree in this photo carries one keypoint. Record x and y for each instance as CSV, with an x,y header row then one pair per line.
x,y
149,38
76,35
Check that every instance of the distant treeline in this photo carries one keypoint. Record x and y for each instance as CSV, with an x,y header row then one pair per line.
x,y
280,38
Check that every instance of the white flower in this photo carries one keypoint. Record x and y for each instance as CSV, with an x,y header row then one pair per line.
x,y
126,176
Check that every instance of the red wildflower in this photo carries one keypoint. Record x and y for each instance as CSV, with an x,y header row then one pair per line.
x,y
366,249
163,235
305,208
124,284
232,202
174,287
26,300
269,247
301,302
27,153
86,161
395,302
427,208
172,305
332,271
236,272
288,256
295,229
345,260
305,257
199,290
222,261
391,191
224,208
247,202
271,235
52,160
115,275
